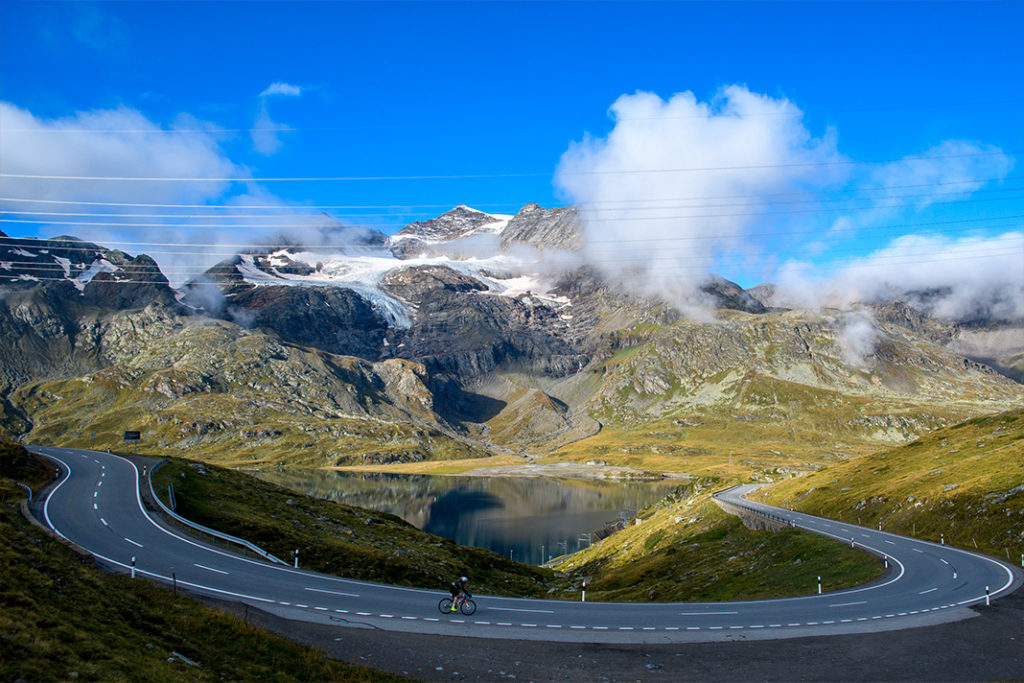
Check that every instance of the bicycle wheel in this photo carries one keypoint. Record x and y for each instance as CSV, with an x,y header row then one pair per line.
x,y
467,607
445,605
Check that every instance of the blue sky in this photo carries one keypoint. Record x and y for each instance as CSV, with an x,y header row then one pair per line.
x,y
492,96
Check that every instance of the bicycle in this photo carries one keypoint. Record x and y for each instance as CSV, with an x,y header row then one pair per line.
x,y
463,602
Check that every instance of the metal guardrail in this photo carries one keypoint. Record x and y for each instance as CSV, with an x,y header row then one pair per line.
x,y
200,529
751,510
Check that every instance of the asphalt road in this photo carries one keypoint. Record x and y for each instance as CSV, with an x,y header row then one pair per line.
x,y
97,505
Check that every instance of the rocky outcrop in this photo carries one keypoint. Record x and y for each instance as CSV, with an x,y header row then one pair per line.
x,y
536,226
329,318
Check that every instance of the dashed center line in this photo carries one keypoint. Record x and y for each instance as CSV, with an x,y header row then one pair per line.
x,y
209,569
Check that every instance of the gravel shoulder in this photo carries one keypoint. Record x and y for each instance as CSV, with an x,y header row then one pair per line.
x,y
989,646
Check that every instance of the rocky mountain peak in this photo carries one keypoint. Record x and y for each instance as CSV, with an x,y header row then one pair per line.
x,y
558,228
458,222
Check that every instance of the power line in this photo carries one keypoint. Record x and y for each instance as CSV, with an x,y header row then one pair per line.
x,y
859,261
318,207
471,176
588,218
988,222
936,197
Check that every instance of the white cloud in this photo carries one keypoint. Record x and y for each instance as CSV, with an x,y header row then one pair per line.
x,y
264,133
961,278
281,88
113,143
124,143
637,187
857,338
265,138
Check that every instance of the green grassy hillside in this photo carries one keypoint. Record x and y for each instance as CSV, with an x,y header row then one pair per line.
x,y
687,548
336,538
61,619
965,483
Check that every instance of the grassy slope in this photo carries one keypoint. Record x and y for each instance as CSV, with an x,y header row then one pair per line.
x,y
687,548
965,482
59,616
336,538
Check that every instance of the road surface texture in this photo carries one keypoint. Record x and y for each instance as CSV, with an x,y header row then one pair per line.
x,y
98,505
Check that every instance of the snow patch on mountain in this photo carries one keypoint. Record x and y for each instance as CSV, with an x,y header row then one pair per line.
x,y
363,274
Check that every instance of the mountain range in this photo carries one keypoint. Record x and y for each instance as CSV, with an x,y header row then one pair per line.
x,y
465,335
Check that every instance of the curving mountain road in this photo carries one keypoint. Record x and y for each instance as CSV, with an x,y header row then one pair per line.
x,y
97,505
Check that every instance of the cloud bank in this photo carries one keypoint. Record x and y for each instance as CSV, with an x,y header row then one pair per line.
x,y
644,191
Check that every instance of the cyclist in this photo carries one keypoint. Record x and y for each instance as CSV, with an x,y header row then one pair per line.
x,y
458,589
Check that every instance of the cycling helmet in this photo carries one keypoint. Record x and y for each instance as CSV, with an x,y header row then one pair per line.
x,y
464,579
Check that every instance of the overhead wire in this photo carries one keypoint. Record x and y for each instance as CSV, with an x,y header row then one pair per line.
x,y
317,207
470,176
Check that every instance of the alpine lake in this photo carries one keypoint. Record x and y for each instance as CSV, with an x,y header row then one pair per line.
x,y
530,519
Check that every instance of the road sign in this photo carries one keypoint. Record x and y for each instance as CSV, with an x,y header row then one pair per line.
x,y
132,436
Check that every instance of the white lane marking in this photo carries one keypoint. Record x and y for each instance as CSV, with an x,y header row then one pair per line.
x,y
430,619
104,522
625,628
94,507
734,627
889,542
209,569
512,609
133,542
794,624
688,628
943,561
410,618
503,623
579,627
848,604
845,621
757,626
929,590
322,609
716,628
284,603
482,623
299,604
553,626
917,550
698,614
458,621
828,622
321,590
387,616
774,625
529,625
95,493
600,628
99,484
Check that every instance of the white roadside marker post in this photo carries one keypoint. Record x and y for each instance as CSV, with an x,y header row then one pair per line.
x,y
942,539
133,566
819,585
296,558
987,602
583,596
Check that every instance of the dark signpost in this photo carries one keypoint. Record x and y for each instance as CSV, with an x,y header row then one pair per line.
x,y
133,437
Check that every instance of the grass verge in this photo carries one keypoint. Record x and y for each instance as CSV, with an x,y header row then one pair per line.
x,y
62,619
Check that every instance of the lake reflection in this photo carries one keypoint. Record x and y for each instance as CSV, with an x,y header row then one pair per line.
x,y
515,516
